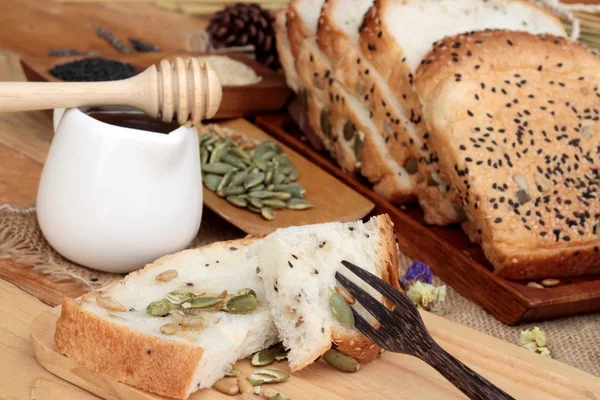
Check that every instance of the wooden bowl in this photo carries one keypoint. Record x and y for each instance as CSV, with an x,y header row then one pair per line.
x,y
268,95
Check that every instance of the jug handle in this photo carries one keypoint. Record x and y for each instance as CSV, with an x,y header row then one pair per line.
x,y
57,117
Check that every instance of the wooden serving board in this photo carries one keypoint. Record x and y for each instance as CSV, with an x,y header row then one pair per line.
x,y
522,374
451,255
268,95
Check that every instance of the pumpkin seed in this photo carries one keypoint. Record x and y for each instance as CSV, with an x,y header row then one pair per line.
x,y
261,164
461,215
227,386
550,282
109,303
169,329
254,381
341,361
219,151
201,302
244,385
249,291
359,143
298,204
277,396
167,275
294,174
325,122
267,213
241,304
281,195
522,196
340,309
267,375
286,169
233,160
209,142
278,178
349,130
159,308
266,156
234,373
269,175
254,209
204,154
255,202
211,181
237,201
238,178
344,293
280,352
193,323
270,187
260,194
295,189
257,188
254,179
241,154
179,296
274,203
282,159
224,182
411,165
203,138
219,168
597,228
535,285
233,190
263,357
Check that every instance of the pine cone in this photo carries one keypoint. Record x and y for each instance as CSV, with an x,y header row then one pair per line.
x,y
243,24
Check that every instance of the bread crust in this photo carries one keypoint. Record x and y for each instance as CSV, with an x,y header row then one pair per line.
x,y
357,345
488,63
135,358
284,50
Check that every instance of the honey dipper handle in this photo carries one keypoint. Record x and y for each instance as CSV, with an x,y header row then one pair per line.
x,y
181,89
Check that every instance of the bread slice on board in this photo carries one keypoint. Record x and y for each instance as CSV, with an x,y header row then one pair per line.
x,y
298,265
331,109
133,347
517,116
394,37
338,35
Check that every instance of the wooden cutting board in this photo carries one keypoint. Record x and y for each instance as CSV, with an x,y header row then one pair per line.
x,y
522,374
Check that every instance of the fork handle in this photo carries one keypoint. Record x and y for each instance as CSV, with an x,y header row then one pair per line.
x,y
473,385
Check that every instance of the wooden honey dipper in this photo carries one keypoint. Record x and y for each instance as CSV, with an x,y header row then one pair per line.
x,y
181,88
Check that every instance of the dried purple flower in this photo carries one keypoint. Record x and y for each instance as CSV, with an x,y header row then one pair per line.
x,y
418,271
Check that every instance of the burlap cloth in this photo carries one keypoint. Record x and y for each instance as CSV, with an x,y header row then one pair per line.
x,y
574,341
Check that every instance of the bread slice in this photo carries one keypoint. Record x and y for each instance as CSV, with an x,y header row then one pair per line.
x,y
517,116
394,37
298,265
331,108
129,346
286,58
338,39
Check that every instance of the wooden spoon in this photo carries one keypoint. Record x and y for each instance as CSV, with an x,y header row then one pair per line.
x,y
181,89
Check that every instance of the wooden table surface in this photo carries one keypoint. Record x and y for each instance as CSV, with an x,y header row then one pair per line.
x,y
31,27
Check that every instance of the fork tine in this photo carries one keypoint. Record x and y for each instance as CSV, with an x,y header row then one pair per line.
x,y
373,306
369,331
378,284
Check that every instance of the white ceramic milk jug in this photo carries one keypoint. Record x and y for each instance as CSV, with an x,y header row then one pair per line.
x,y
114,198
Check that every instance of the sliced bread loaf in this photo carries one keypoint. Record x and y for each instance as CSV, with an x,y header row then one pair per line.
x,y
113,332
338,39
331,109
389,41
297,266
517,117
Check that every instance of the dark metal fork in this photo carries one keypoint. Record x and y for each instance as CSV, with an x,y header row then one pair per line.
x,y
402,331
